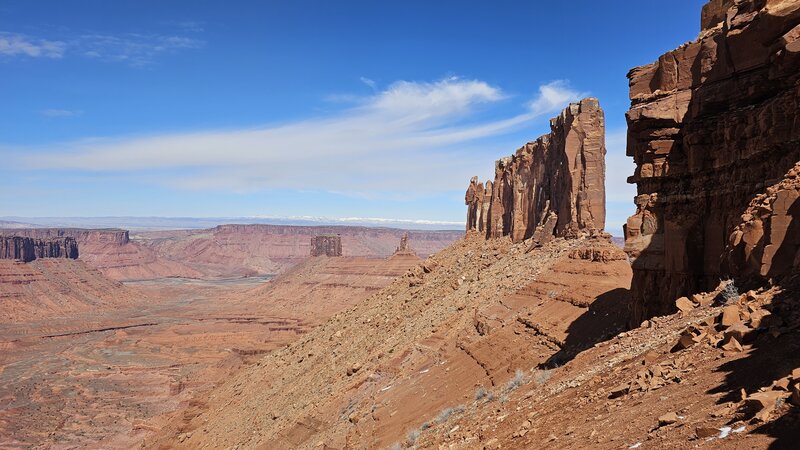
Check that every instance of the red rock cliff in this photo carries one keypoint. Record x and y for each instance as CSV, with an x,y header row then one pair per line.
x,y
712,124
555,184
27,249
82,235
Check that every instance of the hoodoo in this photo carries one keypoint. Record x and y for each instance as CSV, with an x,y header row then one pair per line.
x,y
404,249
714,126
553,186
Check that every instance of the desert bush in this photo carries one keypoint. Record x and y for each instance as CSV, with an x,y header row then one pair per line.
x,y
412,436
447,412
730,292
481,393
541,376
517,381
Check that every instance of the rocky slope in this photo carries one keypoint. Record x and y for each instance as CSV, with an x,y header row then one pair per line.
x,y
682,381
553,186
467,317
712,125
49,287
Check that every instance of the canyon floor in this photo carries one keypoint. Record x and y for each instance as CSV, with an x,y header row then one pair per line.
x,y
108,377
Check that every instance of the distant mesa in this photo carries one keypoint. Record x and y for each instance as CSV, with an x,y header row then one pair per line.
x,y
326,245
551,187
27,249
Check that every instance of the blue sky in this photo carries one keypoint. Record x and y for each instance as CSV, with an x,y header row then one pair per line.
x,y
303,108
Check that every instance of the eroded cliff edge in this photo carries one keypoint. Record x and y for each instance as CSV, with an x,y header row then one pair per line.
x,y
713,125
555,184
27,249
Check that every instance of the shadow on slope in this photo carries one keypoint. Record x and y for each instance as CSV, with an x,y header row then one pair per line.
x,y
606,317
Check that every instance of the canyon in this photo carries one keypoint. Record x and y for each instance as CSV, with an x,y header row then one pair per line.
x,y
225,251
90,361
525,335
532,329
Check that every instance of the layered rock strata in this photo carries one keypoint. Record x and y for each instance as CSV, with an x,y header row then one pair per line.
x,y
712,124
27,249
555,184
326,246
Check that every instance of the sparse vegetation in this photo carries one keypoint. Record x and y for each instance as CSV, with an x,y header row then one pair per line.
x,y
412,436
541,376
447,412
730,292
481,393
517,381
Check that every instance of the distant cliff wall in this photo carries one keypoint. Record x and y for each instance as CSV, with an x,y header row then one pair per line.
x,y
555,184
27,249
713,125
82,235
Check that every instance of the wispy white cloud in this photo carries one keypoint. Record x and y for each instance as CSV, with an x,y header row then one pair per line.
x,y
553,96
369,82
134,49
192,26
410,137
15,44
61,112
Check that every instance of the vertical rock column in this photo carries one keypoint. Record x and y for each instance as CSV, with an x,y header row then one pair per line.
x,y
555,183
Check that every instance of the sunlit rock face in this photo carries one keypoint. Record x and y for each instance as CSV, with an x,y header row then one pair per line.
x,y
553,186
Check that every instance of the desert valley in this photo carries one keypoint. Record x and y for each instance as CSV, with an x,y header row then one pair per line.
x,y
531,327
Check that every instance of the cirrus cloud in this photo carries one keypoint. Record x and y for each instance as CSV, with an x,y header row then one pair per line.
x,y
409,137
15,44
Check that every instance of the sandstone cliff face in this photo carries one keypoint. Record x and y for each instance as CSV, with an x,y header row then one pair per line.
x,y
81,235
27,249
712,124
555,184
